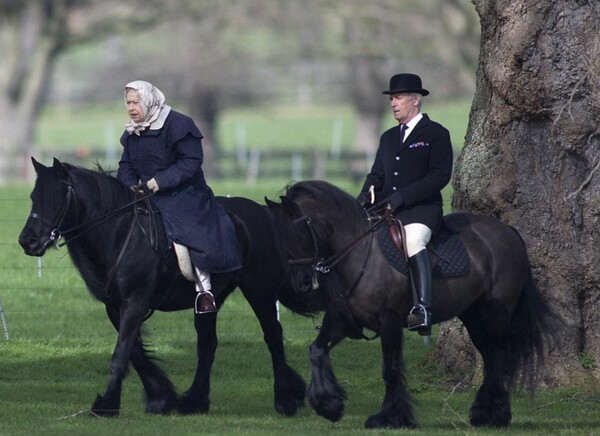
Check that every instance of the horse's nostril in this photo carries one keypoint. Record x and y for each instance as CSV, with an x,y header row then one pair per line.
x,y
29,245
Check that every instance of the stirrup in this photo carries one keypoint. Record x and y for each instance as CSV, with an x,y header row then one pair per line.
x,y
419,319
200,309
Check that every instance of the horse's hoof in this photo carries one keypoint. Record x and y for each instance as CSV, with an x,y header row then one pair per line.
x,y
288,406
103,408
384,421
160,407
188,405
498,415
290,395
331,410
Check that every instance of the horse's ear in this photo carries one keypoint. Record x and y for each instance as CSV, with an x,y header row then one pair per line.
x,y
291,206
60,169
286,201
270,204
36,165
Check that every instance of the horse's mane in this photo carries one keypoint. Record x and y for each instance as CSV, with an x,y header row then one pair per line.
x,y
338,203
327,194
111,192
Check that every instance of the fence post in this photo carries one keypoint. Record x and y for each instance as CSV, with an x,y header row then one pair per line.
x,y
4,325
240,142
296,166
253,166
319,165
336,137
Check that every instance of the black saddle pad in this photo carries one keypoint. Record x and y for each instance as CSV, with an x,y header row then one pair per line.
x,y
448,254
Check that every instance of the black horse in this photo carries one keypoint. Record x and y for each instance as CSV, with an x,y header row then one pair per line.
x,y
117,244
329,239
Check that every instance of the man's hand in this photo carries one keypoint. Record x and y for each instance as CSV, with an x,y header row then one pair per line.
x,y
367,199
364,199
372,193
396,201
152,185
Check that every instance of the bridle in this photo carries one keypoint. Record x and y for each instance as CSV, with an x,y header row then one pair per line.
x,y
324,266
56,233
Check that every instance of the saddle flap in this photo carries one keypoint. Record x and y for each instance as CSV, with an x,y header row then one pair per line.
x,y
396,233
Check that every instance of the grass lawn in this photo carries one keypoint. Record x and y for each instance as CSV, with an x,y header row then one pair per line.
x,y
57,359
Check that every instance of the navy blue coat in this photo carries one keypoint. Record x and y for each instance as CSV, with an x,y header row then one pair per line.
x,y
173,156
418,169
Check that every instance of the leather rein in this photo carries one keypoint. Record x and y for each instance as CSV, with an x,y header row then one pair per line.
x,y
324,266
56,233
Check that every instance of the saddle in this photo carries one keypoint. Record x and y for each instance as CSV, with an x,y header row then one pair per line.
x,y
447,253
178,257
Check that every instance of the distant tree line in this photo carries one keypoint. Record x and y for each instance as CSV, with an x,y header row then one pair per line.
x,y
212,54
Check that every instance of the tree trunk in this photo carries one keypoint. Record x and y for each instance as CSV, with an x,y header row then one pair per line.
x,y
532,159
32,39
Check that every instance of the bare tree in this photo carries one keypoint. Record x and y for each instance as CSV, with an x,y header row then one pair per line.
x,y
385,37
532,158
33,34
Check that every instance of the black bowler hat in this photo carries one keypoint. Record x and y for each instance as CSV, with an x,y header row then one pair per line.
x,y
406,82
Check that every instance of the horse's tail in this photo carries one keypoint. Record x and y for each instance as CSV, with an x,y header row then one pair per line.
x,y
533,327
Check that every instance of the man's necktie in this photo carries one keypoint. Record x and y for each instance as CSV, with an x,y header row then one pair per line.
x,y
403,128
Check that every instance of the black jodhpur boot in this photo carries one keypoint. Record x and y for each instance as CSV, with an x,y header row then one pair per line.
x,y
419,318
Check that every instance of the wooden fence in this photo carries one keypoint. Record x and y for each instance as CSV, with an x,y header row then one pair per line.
x,y
253,165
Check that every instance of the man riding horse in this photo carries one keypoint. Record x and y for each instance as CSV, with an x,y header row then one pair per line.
x,y
412,165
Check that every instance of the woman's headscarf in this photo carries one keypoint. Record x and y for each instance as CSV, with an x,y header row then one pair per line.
x,y
153,101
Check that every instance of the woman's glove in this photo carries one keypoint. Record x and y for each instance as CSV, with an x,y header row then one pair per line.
x,y
152,185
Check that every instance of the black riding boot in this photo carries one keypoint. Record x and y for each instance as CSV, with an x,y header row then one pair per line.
x,y
420,315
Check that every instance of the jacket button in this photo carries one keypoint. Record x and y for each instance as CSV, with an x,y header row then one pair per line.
x,y
397,157
394,188
395,173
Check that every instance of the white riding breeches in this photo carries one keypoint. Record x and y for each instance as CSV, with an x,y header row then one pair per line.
x,y
417,238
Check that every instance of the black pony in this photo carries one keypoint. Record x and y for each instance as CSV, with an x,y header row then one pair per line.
x,y
117,244
330,241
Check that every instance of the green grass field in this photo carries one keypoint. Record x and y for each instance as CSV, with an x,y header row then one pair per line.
x,y
57,359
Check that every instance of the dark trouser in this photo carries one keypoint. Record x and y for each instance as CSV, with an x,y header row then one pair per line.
x,y
420,272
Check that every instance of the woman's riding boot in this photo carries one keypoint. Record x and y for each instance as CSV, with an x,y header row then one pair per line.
x,y
420,315
205,301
